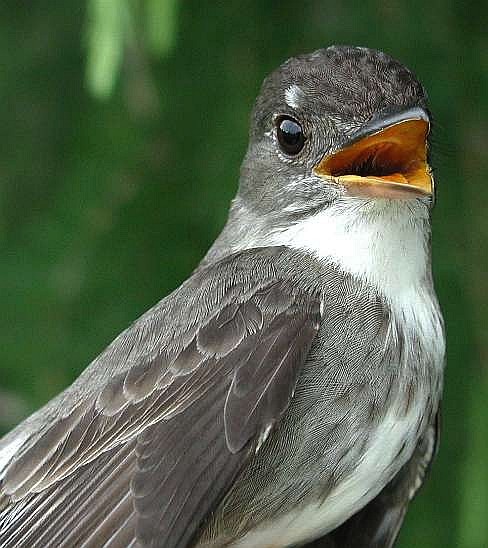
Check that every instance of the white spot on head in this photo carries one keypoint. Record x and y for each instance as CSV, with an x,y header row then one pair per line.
x,y
294,95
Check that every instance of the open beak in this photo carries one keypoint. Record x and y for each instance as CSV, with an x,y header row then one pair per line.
x,y
387,159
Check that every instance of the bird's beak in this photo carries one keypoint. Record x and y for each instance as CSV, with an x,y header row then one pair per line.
x,y
386,159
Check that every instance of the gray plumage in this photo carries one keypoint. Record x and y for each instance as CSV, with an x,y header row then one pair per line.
x,y
259,385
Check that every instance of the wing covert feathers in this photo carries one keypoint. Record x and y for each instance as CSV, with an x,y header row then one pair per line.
x,y
166,418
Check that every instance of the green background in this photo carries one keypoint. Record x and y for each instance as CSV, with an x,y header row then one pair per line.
x,y
123,125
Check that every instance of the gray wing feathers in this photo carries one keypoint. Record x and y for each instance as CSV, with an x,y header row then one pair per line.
x,y
221,357
91,504
260,376
172,489
264,382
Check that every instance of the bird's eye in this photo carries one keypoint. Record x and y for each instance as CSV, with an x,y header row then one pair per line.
x,y
290,135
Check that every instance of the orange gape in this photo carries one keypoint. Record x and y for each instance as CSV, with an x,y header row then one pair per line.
x,y
390,162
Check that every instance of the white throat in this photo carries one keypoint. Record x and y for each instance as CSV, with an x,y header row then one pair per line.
x,y
385,244
382,242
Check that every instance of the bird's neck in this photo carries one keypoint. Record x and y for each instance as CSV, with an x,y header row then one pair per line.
x,y
384,243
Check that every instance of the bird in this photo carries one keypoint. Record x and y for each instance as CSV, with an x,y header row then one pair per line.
x,y
288,392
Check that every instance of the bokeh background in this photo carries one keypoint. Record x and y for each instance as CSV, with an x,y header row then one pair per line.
x,y
123,124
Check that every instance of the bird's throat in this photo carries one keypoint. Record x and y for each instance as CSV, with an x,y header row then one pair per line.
x,y
384,243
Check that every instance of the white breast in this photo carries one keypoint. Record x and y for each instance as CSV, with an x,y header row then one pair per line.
x,y
375,469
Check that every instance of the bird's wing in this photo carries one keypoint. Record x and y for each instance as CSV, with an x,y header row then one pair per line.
x,y
378,524
151,443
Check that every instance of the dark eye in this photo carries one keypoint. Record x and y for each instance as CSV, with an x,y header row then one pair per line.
x,y
290,135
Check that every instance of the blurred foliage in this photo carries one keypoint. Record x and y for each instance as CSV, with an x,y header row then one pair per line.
x,y
114,26
106,206
109,30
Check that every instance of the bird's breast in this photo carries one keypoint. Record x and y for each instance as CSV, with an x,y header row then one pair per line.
x,y
364,398
389,447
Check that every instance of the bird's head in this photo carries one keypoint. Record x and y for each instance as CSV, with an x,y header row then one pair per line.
x,y
337,165
341,122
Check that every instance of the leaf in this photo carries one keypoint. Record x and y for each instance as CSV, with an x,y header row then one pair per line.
x,y
107,30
